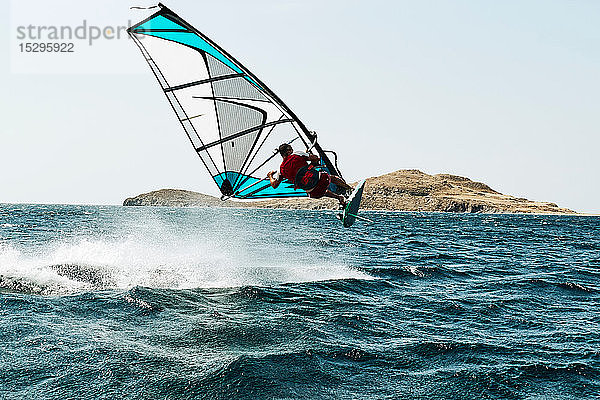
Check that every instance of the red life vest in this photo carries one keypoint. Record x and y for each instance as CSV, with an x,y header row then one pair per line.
x,y
295,168
291,165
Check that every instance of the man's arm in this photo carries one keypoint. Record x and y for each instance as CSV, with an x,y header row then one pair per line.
x,y
275,180
314,159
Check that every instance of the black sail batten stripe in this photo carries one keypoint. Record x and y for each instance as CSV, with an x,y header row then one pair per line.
x,y
168,13
231,101
222,98
203,81
150,61
161,30
242,133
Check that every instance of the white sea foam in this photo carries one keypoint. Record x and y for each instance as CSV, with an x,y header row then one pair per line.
x,y
415,271
23,273
152,260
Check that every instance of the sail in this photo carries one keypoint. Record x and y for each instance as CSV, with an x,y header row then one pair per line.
x,y
232,119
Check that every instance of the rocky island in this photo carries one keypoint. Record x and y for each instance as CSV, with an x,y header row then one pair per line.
x,y
404,190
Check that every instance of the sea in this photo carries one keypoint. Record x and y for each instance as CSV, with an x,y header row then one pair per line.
x,y
107,302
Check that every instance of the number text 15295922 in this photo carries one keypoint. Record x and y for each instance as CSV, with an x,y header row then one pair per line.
x,y
47,47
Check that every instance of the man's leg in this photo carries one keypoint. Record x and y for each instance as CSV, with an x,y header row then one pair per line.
x,y
336,180
338,197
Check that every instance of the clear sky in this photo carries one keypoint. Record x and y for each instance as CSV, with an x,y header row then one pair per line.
x,y
505,92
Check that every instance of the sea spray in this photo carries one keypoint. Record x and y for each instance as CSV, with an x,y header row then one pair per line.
x,y
163,252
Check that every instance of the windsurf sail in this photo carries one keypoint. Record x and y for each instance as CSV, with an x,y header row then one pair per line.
x,y
233,120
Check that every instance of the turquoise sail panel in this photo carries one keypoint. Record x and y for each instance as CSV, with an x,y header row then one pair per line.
x,y
252,189
160,22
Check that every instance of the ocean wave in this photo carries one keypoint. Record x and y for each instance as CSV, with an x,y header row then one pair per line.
x,y
421,271
553,371
286,375
435,348
576,287
586,245
91,264
417,243
570,286
33,285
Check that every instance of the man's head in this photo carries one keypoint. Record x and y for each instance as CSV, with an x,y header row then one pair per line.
x,y
285,150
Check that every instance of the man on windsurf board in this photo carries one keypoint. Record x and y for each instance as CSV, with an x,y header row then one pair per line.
x,y
299,168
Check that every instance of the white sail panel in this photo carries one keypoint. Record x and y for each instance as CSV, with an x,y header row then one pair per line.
x,y
178,64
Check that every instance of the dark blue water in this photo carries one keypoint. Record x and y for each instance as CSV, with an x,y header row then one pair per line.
x,y
110,302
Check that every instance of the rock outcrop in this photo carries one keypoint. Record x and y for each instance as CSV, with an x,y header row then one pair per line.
x,y
404,190
177,198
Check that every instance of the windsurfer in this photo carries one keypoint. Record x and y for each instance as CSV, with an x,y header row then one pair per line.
x,y
299,168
